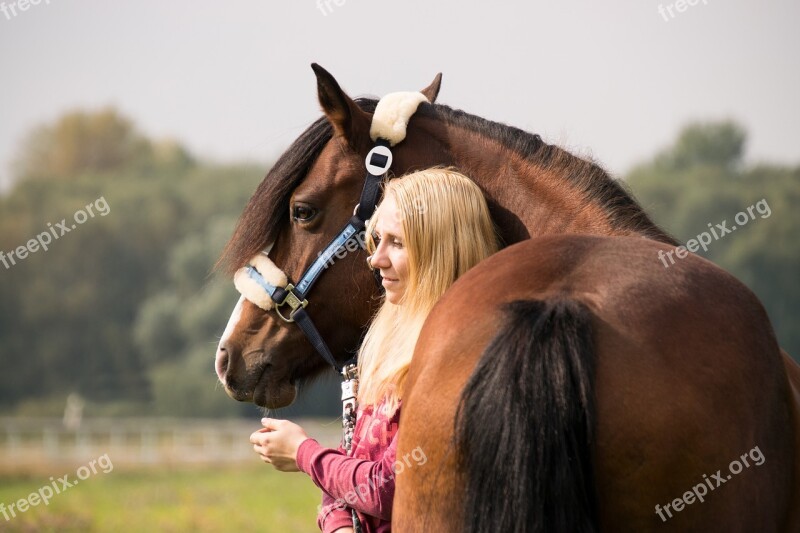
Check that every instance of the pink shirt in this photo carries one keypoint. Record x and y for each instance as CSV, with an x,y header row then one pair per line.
x,y
364,482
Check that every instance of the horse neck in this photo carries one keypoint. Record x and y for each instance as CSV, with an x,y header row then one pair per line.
x,y
549,192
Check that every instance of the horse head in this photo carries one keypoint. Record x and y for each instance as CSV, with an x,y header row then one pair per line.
x,y
301,204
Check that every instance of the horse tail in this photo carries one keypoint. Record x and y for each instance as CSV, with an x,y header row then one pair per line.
x,y
525,423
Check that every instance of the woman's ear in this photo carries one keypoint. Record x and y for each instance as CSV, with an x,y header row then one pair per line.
x,y
347,119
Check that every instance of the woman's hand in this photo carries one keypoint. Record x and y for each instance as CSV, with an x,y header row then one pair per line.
x,y
277,443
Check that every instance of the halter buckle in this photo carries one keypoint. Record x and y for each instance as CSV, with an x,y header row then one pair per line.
x,y
293,301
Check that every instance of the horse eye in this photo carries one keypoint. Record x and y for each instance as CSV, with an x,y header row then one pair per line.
x,y
303,213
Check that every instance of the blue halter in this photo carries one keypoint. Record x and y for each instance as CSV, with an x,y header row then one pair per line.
x,y
378,162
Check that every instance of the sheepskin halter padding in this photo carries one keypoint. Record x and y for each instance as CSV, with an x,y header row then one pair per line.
x,y
389,122
250,288
392,115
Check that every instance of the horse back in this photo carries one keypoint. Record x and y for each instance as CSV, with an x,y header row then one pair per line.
x,y
689,378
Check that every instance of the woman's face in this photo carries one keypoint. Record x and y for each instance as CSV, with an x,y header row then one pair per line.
x,y
391,256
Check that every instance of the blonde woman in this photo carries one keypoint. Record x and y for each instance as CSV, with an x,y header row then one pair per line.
x,y
431,227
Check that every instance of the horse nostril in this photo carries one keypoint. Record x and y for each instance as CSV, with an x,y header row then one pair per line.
x,y
222,362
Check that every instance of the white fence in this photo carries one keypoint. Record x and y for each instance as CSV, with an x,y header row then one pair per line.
x,y
33,443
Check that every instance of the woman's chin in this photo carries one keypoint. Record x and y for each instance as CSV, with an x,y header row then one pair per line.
x,y
393,297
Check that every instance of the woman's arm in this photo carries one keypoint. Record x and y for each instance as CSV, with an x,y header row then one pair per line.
x,y
277,443
367,486
333,517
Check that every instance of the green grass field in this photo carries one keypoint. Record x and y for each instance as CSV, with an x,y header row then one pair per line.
x,y
252,498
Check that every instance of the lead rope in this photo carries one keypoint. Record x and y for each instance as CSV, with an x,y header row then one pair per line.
x,y
349,408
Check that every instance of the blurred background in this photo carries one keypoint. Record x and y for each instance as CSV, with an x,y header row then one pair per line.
x,y
164,118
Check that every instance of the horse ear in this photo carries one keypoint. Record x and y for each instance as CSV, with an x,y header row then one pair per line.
x,y
432,90
347,118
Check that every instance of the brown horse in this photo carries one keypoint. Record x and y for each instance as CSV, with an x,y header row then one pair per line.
x,y
603,322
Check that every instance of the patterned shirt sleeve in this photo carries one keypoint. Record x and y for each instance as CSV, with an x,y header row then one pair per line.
x,y
367,486
333,515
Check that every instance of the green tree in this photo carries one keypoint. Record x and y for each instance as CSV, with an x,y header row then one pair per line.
x,y
716,144
82,143
701,180
68,315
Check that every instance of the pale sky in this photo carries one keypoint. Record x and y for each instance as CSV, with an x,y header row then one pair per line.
x,y
232,80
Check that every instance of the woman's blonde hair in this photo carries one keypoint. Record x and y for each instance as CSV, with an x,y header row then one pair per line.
x,y
448,230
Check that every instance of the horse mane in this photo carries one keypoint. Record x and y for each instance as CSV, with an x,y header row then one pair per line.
x,y
260,221
612,195
586,176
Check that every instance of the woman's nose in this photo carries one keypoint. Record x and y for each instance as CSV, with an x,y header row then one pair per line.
x,y
380,258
